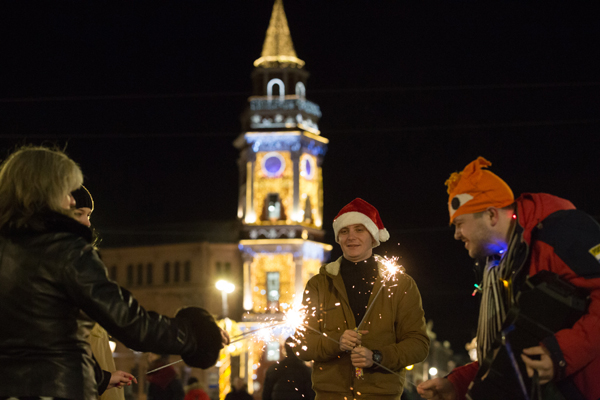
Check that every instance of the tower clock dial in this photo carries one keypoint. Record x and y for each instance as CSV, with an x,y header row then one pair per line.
x,y
307,166
273,164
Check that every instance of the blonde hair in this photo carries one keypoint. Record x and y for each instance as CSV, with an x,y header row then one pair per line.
x,y
35,179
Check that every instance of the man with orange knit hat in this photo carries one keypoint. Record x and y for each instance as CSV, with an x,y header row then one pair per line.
x,y
533,234
360,328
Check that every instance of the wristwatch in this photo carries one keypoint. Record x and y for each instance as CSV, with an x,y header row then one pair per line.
x,y
377,356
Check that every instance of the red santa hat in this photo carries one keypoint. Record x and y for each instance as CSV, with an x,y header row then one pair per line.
x,y
359,211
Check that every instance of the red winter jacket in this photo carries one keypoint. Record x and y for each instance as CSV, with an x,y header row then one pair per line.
x,y
569,245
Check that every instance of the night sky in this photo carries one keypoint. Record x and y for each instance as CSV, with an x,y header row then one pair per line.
x,y
146,97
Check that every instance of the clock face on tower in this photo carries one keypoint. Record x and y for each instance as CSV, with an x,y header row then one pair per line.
x,y
273,164
307,166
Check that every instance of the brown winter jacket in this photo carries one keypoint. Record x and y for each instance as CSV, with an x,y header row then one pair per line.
x,y
396,326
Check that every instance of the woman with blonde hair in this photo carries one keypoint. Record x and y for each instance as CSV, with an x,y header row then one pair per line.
x,y
50,274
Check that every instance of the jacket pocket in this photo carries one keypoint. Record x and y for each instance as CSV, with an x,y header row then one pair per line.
x,y
334,319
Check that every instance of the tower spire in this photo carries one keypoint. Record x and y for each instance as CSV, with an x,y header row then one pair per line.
x,y
278,49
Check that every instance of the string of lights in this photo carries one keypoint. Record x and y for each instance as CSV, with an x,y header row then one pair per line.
x,y
491,86
464,128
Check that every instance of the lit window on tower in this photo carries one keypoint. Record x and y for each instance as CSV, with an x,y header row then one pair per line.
x,y
280,88
273,207
273,350
300,90
273,291
307,166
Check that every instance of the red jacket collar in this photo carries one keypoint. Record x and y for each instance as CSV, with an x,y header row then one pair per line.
x,y
533,208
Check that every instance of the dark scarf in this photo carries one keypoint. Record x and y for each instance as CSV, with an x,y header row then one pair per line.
x,y
359,279
48,222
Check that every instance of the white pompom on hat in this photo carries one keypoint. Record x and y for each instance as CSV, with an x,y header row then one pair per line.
x,y
359,211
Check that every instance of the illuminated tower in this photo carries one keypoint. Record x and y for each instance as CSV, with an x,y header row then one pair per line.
x,y
281,186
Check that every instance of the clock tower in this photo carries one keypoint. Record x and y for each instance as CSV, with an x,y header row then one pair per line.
x,y
281,186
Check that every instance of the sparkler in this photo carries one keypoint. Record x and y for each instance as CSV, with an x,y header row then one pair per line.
x,y
234,340
374,362
164,366
293,320
244,335
388,273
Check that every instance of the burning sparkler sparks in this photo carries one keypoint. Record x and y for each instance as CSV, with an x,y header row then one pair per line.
x,y
294,317
391,268
293,320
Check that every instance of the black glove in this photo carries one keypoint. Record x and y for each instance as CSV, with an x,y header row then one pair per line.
x,y
205,332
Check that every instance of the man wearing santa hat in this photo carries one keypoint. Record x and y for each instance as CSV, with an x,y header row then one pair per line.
x,y
364,329
522,238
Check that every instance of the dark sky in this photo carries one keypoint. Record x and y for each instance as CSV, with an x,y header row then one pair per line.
x,y
147,96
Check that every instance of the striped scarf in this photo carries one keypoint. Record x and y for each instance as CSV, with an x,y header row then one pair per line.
x,y
496,297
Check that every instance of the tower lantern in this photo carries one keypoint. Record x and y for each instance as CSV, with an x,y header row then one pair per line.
x,y
281,187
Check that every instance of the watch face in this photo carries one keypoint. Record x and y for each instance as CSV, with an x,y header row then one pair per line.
x,y
377,356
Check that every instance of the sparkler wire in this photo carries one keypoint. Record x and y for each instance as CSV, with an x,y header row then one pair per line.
x,y
235,339
164,366
374,362
242,336
371,306
385,262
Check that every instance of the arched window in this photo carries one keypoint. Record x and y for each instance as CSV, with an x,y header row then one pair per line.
x,y
300,89
280,86
307,211
273,210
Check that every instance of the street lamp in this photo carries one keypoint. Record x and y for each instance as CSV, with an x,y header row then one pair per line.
x,y
225,288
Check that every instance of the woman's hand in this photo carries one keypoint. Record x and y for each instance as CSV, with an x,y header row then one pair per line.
x,y
119,379
224,338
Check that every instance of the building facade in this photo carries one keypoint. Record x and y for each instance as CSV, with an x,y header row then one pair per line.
x,y
280,214
165,278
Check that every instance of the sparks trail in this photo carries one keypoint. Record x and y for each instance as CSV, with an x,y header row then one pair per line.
x,y
391,269
246,334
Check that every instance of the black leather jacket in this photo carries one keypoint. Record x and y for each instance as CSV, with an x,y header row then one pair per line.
x,y
49,273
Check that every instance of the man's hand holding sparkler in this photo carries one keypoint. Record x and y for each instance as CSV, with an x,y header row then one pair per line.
x,y
362,357
350,339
